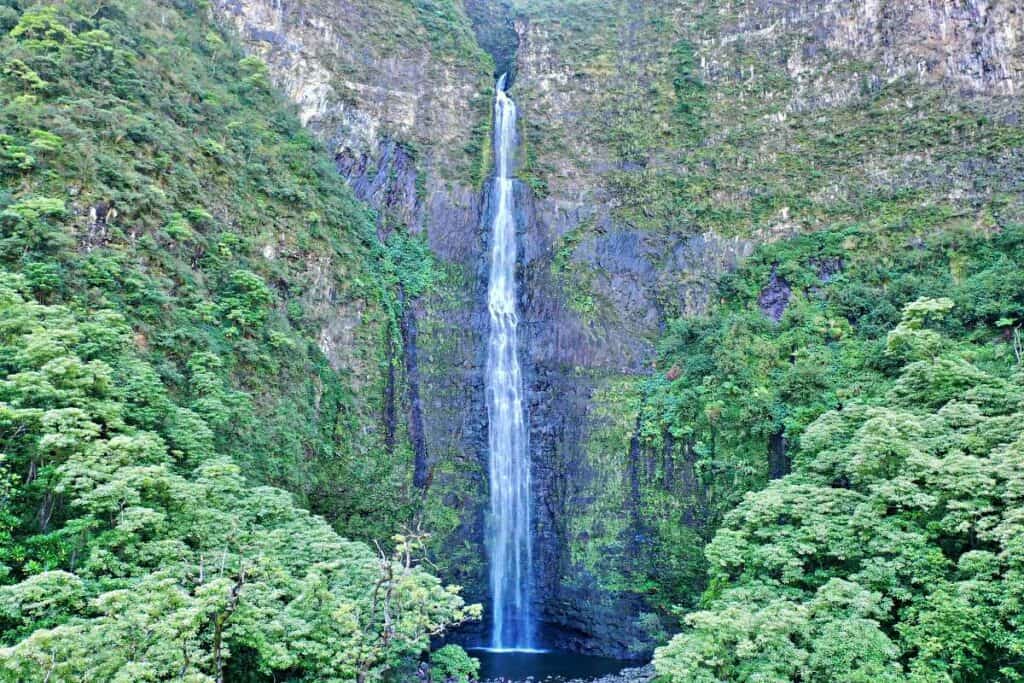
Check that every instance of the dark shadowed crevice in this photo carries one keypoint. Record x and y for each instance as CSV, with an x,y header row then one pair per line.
x,y
492,23
420,478
778,456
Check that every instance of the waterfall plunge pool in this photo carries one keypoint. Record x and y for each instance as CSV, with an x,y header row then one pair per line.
x,y
543,665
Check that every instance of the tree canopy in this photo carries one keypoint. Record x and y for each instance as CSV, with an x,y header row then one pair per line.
x,y
172,243
151,558
893,552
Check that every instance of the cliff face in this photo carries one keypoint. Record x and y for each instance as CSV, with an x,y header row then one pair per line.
x,y
661,142
972,46
365,72
401,94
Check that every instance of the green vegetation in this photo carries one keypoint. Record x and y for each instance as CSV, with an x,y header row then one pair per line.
x,y
682,126
160,202
421,56
451,663
699,121
449,29
133,551
734,392
201,356
172,186
479,147
733,386
575,278
893,550
177,254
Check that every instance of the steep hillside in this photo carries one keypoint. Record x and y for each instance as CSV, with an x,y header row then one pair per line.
x,y
194,306
193,202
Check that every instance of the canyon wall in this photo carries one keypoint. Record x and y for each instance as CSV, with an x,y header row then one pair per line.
x,y
661,142
401,94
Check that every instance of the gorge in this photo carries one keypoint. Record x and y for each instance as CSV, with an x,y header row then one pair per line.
x,y
705,349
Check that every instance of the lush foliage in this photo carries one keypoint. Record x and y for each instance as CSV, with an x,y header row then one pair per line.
x,y
152,558
194,307
686,125
150,169
735,391
893,551
451,663
178,264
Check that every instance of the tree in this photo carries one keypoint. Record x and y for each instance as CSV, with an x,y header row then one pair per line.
x,y
892,552
152,566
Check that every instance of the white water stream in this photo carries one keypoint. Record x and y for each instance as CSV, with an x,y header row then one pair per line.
x,y
508,532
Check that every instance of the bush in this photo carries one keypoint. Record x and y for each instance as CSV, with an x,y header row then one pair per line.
x,y
451,663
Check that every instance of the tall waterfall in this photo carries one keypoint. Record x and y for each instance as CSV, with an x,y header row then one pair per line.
x,y
508,531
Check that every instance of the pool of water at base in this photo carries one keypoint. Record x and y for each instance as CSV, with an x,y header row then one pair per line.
x,y
543,666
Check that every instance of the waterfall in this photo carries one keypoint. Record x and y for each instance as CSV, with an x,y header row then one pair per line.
x,y
508,529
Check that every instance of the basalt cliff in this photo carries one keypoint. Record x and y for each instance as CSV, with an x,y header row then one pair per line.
x,y
662,144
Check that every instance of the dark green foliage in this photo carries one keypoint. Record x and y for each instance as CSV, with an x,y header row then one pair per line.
x,y
891,553
449,31
694,123
409,264
729,380
451,663
732,384
691,100
150,169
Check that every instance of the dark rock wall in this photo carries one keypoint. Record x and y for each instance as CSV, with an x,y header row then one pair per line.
x,y
492,23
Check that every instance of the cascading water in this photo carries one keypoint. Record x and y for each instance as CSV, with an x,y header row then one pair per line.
x,y
508,540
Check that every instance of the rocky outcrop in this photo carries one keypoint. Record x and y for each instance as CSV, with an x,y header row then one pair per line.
x,y
643,674
775,296
364,71
973,45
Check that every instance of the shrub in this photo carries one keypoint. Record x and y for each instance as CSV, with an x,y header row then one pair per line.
x,y
451,663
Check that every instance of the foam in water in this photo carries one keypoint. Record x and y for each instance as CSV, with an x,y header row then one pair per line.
x,y
508,531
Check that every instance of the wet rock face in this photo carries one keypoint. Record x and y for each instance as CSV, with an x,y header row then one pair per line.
x,y
774,298
568,357
492,23
644,674
387,180
828,268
